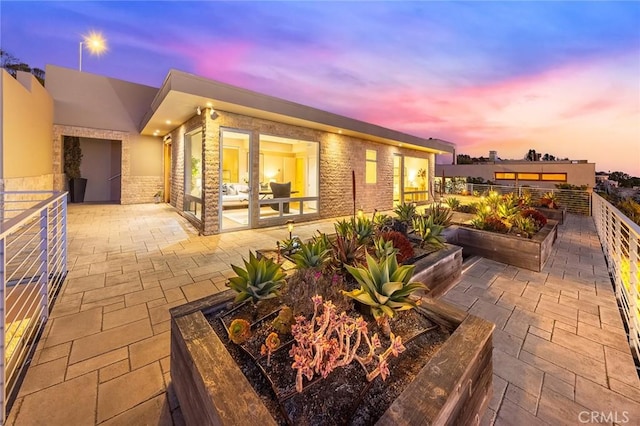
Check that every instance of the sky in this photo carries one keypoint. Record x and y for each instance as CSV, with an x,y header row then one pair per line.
x,y
560,77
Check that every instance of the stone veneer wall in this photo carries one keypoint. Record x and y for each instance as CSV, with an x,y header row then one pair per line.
x,y
29,183
339,155
134,189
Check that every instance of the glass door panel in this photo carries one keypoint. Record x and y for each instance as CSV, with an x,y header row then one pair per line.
x,y
397,179
235,176
193,174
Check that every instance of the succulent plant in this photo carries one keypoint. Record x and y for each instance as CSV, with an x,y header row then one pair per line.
x,y
550,200
313,254
401,243
385,287
261,279
239,331
289,246
525,225
507,208
282,323
344,228
405,212
383,248
270,344
539,218
429,232
347,250
453,203
441,215
363,229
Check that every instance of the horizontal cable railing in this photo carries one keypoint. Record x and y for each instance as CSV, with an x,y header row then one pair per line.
x,y
620,239
33,265
574,200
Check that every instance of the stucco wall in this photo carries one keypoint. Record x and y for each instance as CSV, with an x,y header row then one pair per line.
x,y
27,117
97,102
93,106
339,155
577,173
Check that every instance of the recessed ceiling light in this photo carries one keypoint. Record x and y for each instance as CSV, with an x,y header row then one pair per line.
x,y
209,104
168,121
340,131
399,144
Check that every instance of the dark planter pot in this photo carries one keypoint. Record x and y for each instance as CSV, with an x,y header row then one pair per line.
x,y
77,188
528,253
453,387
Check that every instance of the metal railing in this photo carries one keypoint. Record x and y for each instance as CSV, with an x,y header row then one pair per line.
x,y
33,266
574,200
620,239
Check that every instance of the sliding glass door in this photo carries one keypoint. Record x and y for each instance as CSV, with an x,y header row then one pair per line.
x,y
410,179
235,180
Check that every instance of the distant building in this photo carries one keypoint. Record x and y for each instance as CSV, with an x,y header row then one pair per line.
x,y
544,174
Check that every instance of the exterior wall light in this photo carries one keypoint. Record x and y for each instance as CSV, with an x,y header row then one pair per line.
x,y
198,111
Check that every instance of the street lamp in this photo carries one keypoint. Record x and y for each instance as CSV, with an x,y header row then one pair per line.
x,y
95,43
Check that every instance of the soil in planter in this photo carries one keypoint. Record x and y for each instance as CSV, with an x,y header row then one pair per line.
x,y
344,397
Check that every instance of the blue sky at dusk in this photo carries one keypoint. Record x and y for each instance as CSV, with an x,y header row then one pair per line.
x,y
558,77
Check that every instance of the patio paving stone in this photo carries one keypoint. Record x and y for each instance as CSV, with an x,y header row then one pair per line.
x,y
559,344
125,392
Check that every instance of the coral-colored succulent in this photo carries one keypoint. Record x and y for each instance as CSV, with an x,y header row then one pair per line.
x,y
270,344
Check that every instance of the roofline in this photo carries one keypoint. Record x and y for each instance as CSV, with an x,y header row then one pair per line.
x,y
184,82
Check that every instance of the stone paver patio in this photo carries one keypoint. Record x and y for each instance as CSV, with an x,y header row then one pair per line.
x,y
559,344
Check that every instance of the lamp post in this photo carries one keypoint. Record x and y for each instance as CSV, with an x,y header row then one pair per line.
x,y
95,43
290,227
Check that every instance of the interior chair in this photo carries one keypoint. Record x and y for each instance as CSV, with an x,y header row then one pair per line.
x,y
280,190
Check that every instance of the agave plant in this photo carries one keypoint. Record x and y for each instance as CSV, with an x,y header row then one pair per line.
x,y
347,251
429,232
405,212
508,208
343,227
261,279
441,215
383,248
526,225
313,254
362,229
385,287
453,203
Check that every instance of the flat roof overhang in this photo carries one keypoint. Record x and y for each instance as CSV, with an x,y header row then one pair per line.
x,y
181,93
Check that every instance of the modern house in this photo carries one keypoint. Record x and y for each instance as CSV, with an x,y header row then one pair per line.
x,y
544,174
225,157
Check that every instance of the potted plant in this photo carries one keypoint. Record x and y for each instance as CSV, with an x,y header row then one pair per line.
x,y
157,197
72,160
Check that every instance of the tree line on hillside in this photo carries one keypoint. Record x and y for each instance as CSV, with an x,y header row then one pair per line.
x,y
624,180
13,65
531,155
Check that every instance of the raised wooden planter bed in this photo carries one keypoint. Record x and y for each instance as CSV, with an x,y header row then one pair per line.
x,y
454,387
439,270
553,214
510,249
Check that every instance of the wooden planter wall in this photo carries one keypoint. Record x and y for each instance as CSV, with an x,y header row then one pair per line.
x,y
439,270
510,249
454,387
554,214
